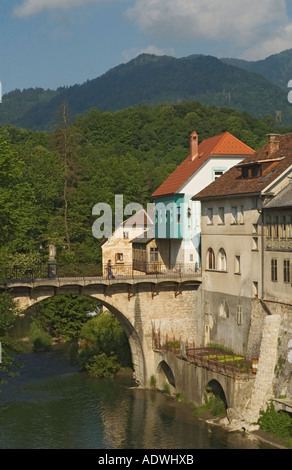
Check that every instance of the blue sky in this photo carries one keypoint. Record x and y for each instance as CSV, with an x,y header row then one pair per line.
x,y
54,43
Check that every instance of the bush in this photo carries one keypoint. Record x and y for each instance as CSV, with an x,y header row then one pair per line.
x,y
215,405
277,423
103,366
104,334
40,339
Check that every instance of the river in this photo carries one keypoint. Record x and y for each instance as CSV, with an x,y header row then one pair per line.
x,y
52,405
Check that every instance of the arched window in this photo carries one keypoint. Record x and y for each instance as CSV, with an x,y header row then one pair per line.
x,y
222,263
223,309
210,259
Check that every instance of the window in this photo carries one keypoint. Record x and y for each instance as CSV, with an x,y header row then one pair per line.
x,y
283,227
239,314
210,259
237,265
178,214
274,270
240,215
222,264
119,258
254,228
210,216
126,235
223,309
153,254
255,288
191,258
234,215
287,274
217,173
221,216
269,231
275,226
255,243
289,227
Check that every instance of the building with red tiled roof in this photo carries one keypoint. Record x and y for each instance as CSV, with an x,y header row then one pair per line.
x,y
177,217
246,245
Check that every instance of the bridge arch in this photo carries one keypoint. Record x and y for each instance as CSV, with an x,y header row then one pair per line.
x,y
215,388
164,375
137,354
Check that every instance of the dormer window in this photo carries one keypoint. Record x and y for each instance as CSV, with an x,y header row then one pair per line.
x,y
251,171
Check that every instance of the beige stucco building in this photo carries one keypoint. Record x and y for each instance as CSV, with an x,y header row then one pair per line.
x,y
118,247
239,253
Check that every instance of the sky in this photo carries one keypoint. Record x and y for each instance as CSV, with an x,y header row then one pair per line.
x,y
56,43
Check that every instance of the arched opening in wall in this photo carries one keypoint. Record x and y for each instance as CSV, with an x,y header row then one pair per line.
x,y
215,398
222,260
210,259
60,319
165,378
223,309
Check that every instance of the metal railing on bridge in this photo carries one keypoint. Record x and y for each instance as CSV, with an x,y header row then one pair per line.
x,y
209,357
120,270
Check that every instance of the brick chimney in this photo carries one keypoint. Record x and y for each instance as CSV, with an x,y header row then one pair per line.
x,y
274,143
194,145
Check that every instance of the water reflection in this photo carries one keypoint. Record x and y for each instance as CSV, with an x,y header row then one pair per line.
x,y
52,405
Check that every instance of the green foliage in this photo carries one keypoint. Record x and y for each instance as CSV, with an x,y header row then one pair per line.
x,y
152,381
277,423
166,388
8,312
103,366
214,405
63,316
39,338
179,397
103,334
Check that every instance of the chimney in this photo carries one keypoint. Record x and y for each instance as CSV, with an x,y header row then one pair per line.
x,y
274,143
194,145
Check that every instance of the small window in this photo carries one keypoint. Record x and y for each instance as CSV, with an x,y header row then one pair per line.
x,y
223,309
255,286
210,259
126,235
153,254
237,265
222,263
191,258
287,271
119,258
239,314
210,216
178,215
221,216
255,243
218,173
234,215
274,270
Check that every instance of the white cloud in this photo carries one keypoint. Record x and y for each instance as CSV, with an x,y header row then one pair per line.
x,y
33,7
242,23
130,54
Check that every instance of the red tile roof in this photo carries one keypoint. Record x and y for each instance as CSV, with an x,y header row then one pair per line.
x,y
232,183
222,144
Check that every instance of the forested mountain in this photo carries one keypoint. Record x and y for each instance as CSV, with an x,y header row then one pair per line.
x,y
150,79
277,67
50,182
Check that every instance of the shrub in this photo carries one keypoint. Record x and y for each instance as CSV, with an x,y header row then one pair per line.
x,y
166,388
152,381
277,423
103,366
40,339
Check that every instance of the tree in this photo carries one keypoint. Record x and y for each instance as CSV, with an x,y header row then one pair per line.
x,y
8,311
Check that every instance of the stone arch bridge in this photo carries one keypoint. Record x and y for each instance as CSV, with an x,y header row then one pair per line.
x,y
169,302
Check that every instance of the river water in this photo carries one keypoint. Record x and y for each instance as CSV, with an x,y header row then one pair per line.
x,y
52,405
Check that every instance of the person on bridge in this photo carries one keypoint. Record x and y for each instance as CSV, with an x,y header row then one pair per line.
x,y
109,270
